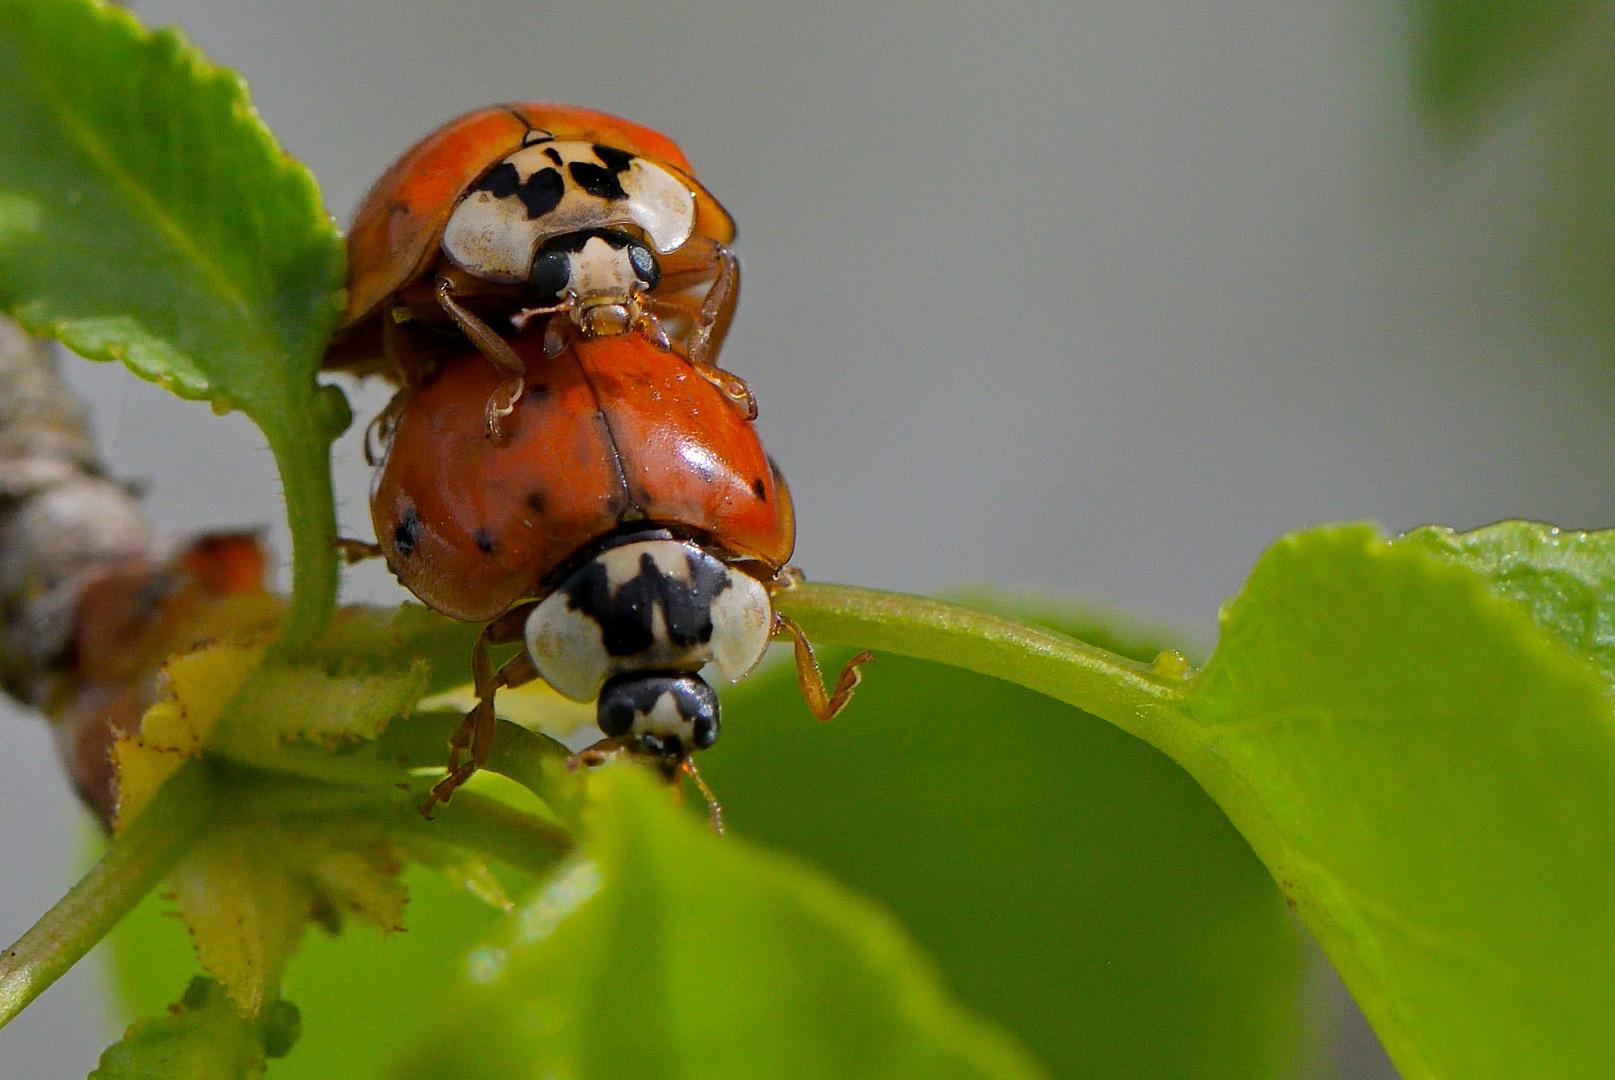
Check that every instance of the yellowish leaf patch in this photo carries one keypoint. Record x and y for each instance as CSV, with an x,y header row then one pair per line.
x,y
192,691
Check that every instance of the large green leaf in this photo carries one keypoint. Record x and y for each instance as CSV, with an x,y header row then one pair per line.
x,y
147,215
1072,882
671,952
1431,778
1475,49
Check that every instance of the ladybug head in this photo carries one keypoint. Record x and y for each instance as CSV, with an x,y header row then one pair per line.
x,y
668,715
594,266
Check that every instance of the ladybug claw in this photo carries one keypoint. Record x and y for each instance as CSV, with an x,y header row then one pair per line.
x,y
501,405
650,327
592,757
555,339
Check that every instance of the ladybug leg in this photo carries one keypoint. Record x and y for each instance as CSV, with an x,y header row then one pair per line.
x,y
648,325
474,736
378,434
687,767
396,346
557,337
704,259
823,705
718,309
357,551
496,349
606,750
730,386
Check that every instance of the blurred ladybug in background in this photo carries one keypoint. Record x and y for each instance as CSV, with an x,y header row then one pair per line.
x,y
537,210
628,529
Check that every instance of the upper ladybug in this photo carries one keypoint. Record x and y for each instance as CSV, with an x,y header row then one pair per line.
x,y
538,210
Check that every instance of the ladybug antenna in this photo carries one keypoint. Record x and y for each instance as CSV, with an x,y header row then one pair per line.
x,y
527,315
688,767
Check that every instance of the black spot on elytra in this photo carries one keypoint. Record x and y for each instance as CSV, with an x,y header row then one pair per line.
x,y
553,154
601,183
759,489
538,391
407,533
535,501
615,160
626,617
483,541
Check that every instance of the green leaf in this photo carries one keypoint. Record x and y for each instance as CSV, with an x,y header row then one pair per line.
x,y
673,952
1431,778
364,994
282,704
1474,50
1565,580
147,215
1073,883
245,910
376,641
254,882
1417,752
201,1038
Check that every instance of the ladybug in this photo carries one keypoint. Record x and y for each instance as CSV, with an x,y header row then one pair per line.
x,y
628,530
538,210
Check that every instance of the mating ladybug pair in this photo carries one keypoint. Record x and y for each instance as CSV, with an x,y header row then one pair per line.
x,y
564,461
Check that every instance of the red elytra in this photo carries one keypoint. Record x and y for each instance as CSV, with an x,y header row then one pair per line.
x,y
610,433
394,240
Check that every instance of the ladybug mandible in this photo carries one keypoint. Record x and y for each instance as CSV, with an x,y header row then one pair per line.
x,y
629,529
539,210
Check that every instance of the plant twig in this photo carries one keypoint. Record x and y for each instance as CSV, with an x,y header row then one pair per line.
x,y
1135,697
138,859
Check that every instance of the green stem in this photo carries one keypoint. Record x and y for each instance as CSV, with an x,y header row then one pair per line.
x,y
1141,700
305,472
135,862
1135,697
475,823
489,827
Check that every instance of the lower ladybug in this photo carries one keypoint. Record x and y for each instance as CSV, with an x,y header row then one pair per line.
x,y
628,530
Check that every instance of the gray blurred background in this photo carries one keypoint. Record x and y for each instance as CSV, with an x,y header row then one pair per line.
x,y
1092,300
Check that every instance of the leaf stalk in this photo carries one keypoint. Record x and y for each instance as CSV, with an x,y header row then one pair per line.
x,y
140,857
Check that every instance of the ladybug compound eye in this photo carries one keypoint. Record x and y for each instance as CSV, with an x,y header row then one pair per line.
x,y
552,273
651,605
645,265
670,713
